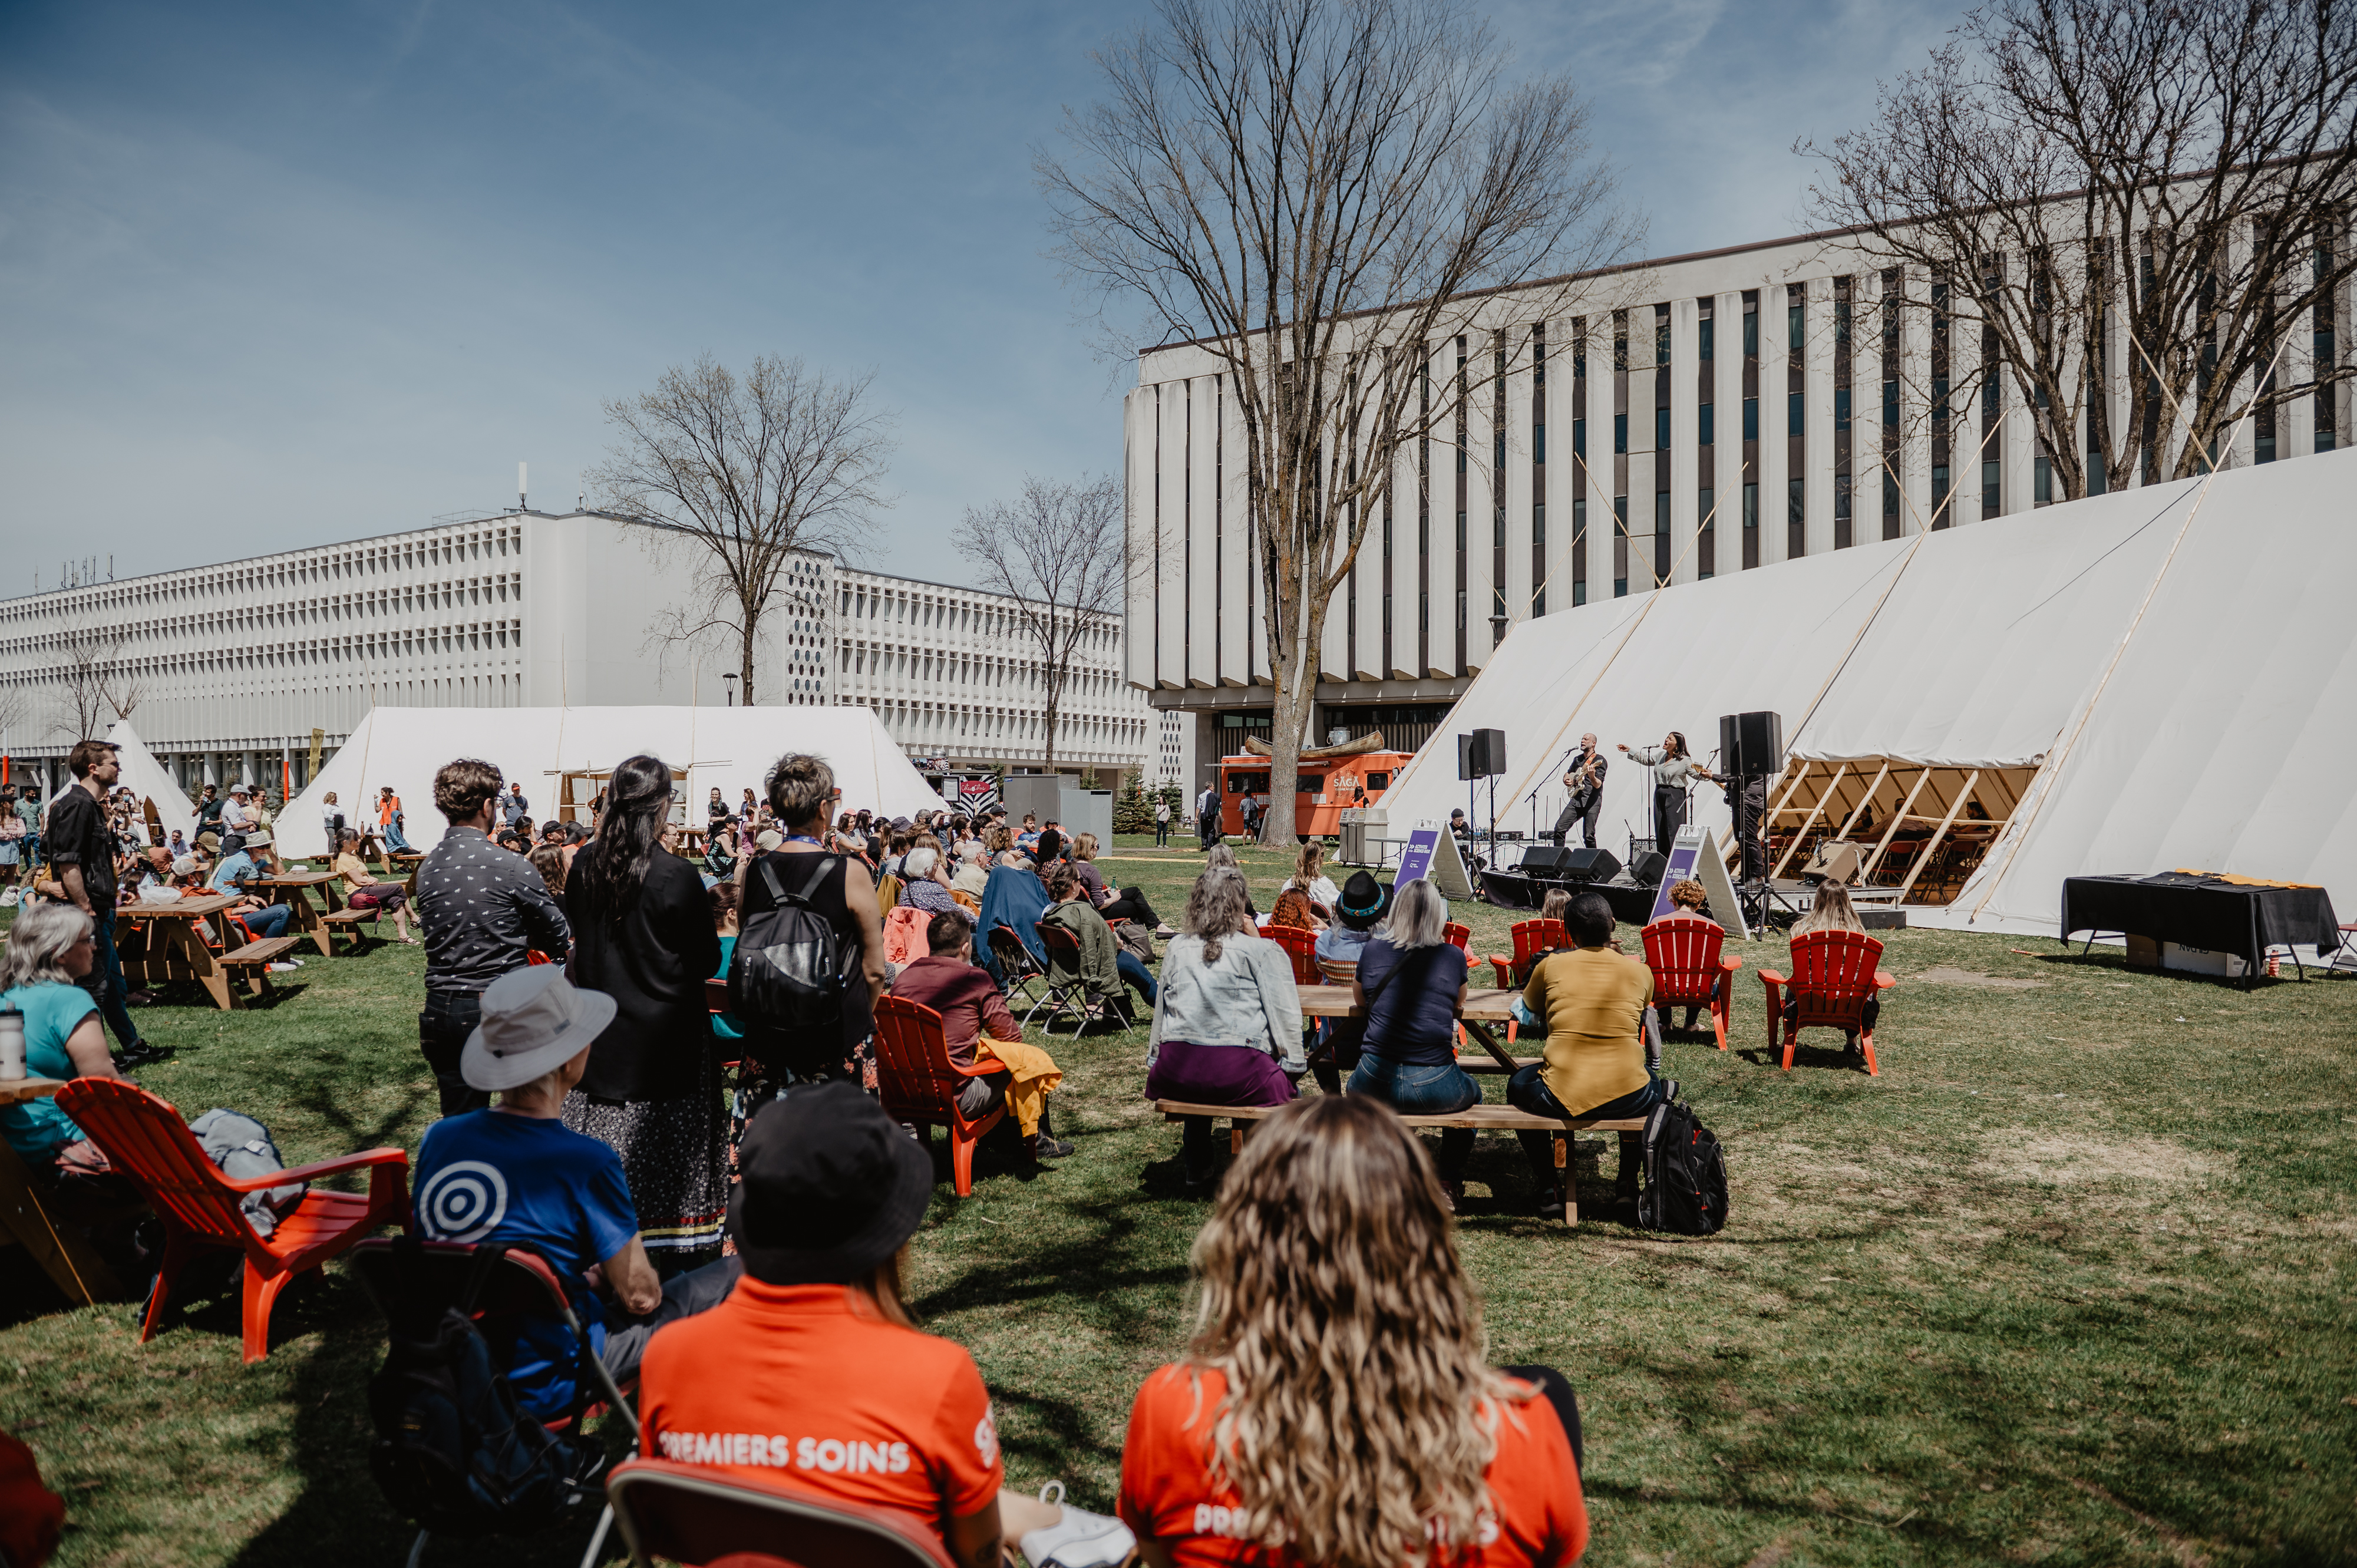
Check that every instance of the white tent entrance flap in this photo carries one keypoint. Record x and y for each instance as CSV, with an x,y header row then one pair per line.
x,y
2197,660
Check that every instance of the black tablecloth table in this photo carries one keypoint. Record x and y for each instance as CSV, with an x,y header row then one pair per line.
x,y
2197,911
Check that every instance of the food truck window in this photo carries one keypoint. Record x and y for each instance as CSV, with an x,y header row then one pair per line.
x,y
1379,780
1309,783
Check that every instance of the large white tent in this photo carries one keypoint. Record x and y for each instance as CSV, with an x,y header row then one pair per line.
x,y
150,781
730,748
2162,666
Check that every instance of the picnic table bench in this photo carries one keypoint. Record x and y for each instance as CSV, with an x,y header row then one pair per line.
x,y
171,948
308,919
1481,1118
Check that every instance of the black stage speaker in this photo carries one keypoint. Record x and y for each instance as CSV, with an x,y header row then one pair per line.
x,y
1591,865
1545,860
1648,866
1481,755
1751,746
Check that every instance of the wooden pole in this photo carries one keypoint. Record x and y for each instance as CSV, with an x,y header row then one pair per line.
x,y
1864,800
1888,834
1807,823
1946,823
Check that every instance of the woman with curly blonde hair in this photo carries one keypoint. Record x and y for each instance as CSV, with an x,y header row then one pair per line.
x,y
1336,1407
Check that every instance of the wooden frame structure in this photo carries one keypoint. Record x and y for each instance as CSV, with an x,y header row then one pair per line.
x,y
1820,800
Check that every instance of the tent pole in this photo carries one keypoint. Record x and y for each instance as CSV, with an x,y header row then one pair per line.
x,y
1892,830
1946,823
1863,801
2062,755
1807,823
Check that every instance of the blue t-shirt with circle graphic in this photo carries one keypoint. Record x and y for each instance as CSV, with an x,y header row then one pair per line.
x,y
529,1181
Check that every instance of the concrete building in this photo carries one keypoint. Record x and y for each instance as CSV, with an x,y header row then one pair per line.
x,y
235,666
1721,411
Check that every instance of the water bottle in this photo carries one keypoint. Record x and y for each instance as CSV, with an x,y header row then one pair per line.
x,y
12,1045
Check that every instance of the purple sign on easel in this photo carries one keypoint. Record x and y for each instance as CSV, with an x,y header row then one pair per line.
x,y
1682,857
1416,859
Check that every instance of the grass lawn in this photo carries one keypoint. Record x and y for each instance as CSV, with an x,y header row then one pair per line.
x,y
2070,1283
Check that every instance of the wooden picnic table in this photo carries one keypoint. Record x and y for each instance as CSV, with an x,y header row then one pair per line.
x,y
172,948
61,1250
1483,1012
308,919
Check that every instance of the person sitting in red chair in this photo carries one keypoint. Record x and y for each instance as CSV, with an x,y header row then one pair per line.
x,y
812,1371
1833,911
974,1010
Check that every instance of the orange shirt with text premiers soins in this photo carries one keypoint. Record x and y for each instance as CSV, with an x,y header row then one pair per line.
x,y
1537,1517
805,1384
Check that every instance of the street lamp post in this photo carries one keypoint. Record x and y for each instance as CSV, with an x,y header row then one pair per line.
x,y
730,682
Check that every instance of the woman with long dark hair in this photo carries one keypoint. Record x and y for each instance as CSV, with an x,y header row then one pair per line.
x,y
642,933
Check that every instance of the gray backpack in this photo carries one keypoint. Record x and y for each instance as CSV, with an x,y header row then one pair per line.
x,y
240,1146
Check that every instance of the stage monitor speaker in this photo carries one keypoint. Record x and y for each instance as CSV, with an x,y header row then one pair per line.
x,y
1751,746
1545,860
1591,865
1648,866
1481,755
1834,862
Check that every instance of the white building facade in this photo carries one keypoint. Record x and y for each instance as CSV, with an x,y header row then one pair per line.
x,y
233,666
1721,411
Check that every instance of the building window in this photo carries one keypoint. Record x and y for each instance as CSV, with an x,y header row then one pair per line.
x,y
1538,522
1795,420
1751,326
1661,430
1620,433
1750,505
1579,438
1704,337
1793,326
1939,487
1704,559
1841,408
1992,498
1538,443
1752,419
1703,424
1796,504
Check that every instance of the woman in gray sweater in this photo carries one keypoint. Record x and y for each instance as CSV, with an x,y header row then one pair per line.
x,y
1674,769
1227,1018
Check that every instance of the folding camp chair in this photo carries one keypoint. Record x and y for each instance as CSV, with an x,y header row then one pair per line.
x,y
143,1138
691,1514
1068,990
918,1084
1015,961
407,1277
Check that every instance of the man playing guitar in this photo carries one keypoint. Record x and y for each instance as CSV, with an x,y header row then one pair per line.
x,y
1584,781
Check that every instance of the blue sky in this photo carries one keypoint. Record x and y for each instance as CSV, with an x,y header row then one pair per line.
x,y
276,276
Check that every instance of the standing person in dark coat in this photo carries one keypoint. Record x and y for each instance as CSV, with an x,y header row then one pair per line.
x,y
642,933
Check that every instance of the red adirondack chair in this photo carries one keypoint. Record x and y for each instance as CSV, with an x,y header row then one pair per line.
x,y
1534,940
1459,936
1832,974
145,1139
1301,947
918,1084
1682,952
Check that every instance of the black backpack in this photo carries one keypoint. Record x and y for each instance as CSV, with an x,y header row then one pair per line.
x,y
1686,1175
452,1451
789,973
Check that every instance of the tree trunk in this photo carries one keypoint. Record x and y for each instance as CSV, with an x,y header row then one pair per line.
x,y
752,622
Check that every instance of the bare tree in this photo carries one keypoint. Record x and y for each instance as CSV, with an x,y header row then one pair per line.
x,y
1058,553
2139,204
741,476
1327,194
96,687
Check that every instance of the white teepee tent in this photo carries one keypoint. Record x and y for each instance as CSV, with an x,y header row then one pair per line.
x,y
2151,675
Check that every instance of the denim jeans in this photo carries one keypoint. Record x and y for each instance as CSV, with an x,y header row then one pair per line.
x,y
1528,1090
441,1030
393,839
1133,970
1161,835
270,920
1434,1089
105,981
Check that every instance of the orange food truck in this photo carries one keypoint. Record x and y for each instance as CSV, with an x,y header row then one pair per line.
x,y
1325,785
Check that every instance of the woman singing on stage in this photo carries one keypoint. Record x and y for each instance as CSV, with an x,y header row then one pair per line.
x,y
1674,769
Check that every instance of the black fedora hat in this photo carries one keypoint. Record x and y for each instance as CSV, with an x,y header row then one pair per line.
x,y
1363,901
831,1187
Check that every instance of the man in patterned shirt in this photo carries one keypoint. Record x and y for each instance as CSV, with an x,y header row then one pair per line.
x,y
482,909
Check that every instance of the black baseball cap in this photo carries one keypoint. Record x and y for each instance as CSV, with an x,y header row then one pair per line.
x,y
829,1188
